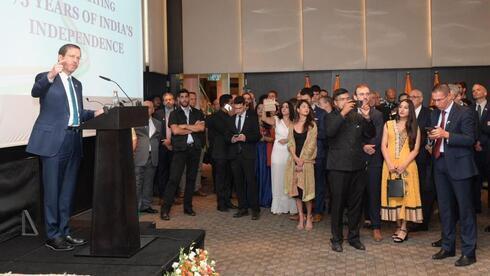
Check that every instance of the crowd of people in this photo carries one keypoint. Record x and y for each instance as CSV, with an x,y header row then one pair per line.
x,y
355,156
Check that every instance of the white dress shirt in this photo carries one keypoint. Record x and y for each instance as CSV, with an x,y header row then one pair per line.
x,y
417,111
447,110
187,111
239,128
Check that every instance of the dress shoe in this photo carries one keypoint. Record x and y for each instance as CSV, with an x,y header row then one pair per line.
x,y
241,213
231,205
255,215
190,212
149,210
58,244
336,246
465,260
164,214
377,235
223,209
317,218
418,228
74,241
200,193
442,254
437,243
357,245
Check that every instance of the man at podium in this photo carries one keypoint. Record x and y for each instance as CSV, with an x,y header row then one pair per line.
x,y
57,139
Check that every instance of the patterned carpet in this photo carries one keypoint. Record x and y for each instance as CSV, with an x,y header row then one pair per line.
x,y
273,246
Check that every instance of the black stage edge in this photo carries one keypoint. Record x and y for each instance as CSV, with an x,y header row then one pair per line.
x,y
29,255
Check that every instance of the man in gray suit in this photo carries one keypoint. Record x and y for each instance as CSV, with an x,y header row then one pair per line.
x,y
146,140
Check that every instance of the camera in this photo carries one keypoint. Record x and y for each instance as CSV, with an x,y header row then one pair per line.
x,y
358,103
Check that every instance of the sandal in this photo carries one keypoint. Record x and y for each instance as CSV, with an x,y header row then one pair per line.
x,y
399,239
398,229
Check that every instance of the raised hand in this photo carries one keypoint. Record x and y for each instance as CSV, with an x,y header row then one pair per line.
x,y
57,68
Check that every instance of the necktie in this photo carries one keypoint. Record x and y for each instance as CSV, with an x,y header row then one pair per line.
x,y
478,109
437,148
239,125
73,103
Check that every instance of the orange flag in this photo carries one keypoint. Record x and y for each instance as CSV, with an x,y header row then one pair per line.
x,y
436,78
307,81
436,82
408,83
336,84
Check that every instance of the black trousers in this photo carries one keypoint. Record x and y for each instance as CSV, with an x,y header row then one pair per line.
x,y
347,192
163,170
372,198
427,190
188,159
247,189
222,180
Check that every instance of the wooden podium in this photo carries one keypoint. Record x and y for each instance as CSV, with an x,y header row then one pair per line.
x,y
115,225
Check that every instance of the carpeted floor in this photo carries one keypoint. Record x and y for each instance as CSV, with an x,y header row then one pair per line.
x,y
273,246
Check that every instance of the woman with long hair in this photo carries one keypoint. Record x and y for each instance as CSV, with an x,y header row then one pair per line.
x,y
400,145
300,174
281,202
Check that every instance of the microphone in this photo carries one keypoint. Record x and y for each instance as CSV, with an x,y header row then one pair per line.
x,y
107,79
104,106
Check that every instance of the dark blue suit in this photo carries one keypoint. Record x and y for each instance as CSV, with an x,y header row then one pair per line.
x,y
59,148
320,162
453,173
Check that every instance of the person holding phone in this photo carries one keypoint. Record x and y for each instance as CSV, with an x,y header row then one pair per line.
x,y
346,128
454,169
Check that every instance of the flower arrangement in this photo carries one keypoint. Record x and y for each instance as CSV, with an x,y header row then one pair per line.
x,y
196,263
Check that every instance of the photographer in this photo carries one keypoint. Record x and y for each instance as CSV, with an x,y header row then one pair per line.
x,y
347,127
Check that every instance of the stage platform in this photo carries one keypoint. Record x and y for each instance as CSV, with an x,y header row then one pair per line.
x,y
29,255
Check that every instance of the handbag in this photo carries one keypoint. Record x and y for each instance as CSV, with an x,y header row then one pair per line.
x,y
396,187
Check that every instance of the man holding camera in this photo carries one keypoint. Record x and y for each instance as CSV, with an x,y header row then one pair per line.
x,y
347,127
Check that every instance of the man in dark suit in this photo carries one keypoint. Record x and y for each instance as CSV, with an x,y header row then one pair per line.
x,y
347,127
307,94
424,162
165,148
374,162
186,124
242,136
389,105
146,140
454,169
57,139
482,144
217,127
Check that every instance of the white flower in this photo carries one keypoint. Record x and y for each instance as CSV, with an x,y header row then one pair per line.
x,y
178,271
194,269
175,265
213,263
203,264
192,255
197,274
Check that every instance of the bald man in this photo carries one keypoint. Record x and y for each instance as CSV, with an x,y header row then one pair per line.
x,y
146,140
482,144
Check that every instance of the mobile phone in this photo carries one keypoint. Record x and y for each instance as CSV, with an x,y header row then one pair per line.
x,y
358,103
